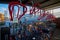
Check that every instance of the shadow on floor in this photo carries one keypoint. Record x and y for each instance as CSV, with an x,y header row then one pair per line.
x,y
56,35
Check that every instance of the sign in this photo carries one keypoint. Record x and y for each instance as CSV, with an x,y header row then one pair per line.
x,y
33,10
11,9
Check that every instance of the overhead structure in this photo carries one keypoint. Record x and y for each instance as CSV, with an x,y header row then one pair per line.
x,y
43,3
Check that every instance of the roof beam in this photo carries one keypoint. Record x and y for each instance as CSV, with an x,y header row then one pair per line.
x,y
51,4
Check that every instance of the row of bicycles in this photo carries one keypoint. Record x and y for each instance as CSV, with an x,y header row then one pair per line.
x,y
34,31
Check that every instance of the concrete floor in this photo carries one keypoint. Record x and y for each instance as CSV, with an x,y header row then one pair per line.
x,y
56,35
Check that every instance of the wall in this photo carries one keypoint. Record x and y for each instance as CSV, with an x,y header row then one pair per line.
x,y
57,23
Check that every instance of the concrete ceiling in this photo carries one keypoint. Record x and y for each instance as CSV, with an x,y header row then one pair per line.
x,y
43,3
48,3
